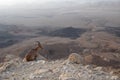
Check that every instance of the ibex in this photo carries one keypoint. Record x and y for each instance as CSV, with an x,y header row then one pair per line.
x,y
33,53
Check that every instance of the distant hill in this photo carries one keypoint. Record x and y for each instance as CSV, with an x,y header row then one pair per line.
x,y
3,27
113,30
6,39
12,34
68,32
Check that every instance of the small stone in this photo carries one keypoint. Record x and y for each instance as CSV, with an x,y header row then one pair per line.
x,y
7,72
114,77
111,72
32,63
40,71
89,76
107,77
88,67
13,74
71,79
90,71
88,59
65,76
41,61
98,68
32,76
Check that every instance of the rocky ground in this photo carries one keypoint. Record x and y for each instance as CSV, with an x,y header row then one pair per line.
x,y
16,69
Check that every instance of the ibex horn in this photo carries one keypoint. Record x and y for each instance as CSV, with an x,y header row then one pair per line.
x,y
39,44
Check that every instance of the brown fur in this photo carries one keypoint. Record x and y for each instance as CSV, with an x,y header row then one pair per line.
x,y
33,53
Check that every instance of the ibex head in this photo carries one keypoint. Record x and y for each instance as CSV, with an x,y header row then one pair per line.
x,y
39,44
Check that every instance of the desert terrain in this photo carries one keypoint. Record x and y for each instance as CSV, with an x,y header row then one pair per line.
x,y
89,28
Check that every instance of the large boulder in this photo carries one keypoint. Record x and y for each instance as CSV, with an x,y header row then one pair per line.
x,y
75,58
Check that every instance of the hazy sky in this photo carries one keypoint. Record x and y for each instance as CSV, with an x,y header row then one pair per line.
x,y
53,12
14,2
19,3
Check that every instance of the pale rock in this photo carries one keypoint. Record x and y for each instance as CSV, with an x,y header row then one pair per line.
x,y
114,78
111,72
107,77
90,71
32,63
98,68
31,76
40,71
41,61
88,67
52,70
65,76
70,79
75,58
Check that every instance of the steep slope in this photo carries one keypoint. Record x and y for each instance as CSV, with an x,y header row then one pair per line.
x,y
51,70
